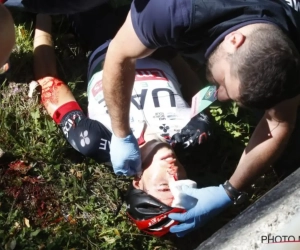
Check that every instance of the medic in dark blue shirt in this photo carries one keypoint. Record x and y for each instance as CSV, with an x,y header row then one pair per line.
x,y
251,51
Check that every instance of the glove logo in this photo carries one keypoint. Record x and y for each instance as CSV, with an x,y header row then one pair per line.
x,y
85,139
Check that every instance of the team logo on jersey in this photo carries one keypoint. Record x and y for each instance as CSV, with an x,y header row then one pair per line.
x,y
85,139
164,128
149,74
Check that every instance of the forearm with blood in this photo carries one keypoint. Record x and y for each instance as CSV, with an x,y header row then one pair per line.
x,y
55,94
57,98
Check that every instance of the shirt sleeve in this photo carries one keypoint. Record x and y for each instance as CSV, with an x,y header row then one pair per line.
x,y
159,23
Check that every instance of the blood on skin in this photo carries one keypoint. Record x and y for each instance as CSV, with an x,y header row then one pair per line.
x,y
172,170
50,91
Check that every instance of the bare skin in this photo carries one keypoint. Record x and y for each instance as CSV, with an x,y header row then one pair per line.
x,y
262,150
54,93
118,76
7,34
267,143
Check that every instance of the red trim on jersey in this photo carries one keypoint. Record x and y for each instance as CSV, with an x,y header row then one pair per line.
x,y
64,109
141,139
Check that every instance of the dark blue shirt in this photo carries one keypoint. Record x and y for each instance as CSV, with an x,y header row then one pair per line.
x,y
200,25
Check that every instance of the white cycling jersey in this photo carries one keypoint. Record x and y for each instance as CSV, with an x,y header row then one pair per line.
x,y
156,97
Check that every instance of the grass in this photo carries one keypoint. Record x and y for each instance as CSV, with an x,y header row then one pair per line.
x,y
51,197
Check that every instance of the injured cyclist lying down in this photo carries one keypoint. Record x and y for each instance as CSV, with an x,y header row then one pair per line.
x,y
159,119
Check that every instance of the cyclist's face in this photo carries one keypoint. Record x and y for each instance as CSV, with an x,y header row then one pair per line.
x,y
160,167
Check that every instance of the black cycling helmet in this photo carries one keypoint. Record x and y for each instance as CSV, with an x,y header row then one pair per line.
x,y
148,213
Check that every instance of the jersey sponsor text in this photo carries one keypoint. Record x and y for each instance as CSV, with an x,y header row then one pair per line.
x,y
149,74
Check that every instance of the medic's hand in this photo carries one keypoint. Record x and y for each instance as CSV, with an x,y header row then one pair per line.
x,y
211,201
194,133
125,155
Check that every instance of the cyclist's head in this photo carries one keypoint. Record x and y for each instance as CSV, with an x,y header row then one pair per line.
x,y
160,167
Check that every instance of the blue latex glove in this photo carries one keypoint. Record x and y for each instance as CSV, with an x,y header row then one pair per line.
x,y
125,155
211,201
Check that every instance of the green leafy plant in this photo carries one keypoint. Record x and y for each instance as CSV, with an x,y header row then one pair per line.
x,y
238,125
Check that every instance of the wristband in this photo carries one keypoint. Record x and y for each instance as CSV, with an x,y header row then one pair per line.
x,y
236,196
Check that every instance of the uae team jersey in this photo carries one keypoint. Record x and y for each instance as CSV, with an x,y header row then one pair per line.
x,y
156,98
